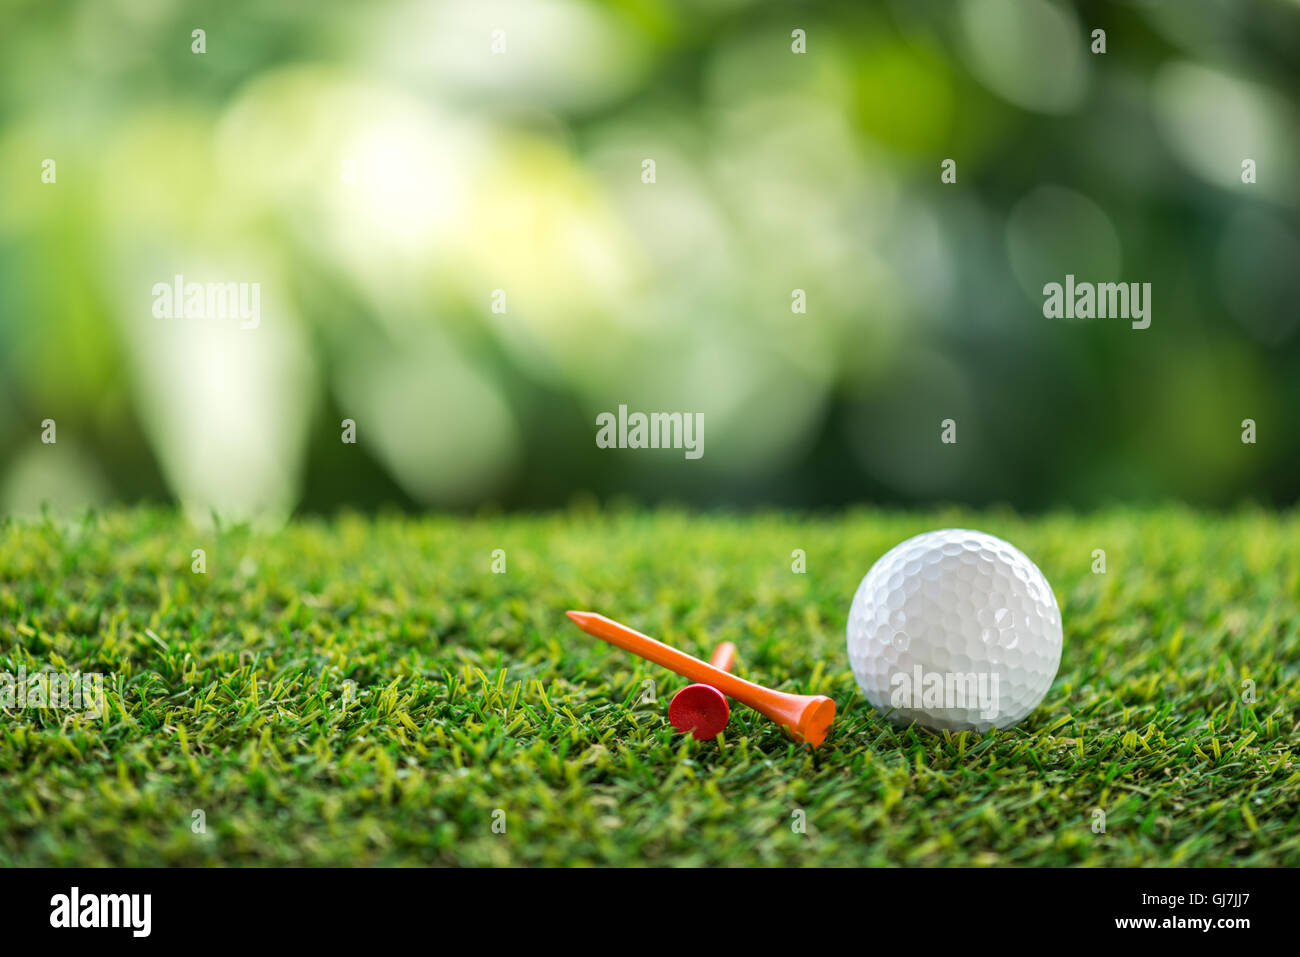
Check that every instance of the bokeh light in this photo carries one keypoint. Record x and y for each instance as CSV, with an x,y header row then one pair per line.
x,y
444,208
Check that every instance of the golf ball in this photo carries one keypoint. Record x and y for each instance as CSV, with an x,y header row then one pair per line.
x,y
955,630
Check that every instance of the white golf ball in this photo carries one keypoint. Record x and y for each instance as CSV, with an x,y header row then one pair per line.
x,y
955,630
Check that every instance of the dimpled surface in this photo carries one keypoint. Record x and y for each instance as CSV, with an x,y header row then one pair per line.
x,y
956,603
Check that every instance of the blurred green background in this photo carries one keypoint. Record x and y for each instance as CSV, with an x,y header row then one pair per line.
x,y
522,171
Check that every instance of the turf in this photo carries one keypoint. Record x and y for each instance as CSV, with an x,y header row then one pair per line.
x,y
229,693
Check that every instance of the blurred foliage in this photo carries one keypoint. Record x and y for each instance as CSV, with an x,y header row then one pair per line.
x,y
521,171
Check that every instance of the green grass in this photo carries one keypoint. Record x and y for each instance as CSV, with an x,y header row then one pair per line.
x,y
475,693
